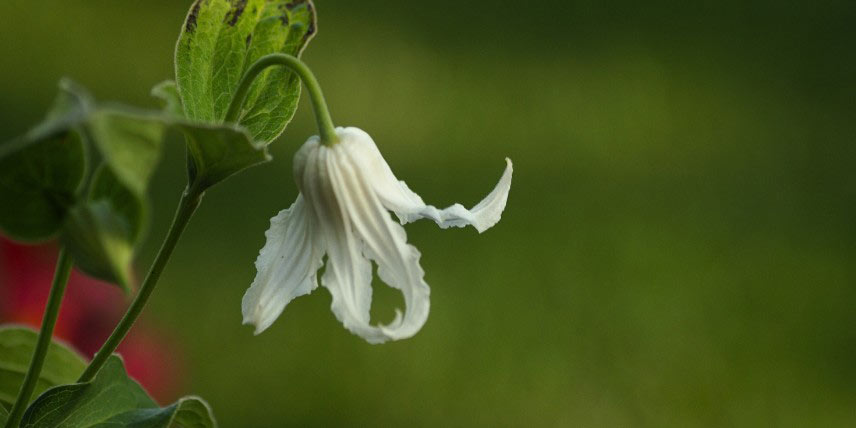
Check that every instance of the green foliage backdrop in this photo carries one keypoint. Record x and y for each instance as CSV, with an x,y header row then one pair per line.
x,y
678,247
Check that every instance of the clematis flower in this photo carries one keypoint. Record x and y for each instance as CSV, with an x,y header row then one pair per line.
x,y
346,191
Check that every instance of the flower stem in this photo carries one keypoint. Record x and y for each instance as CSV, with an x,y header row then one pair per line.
x,y
322,114
60,280
190,200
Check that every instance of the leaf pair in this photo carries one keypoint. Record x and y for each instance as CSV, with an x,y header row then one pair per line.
x,y
218,43
214,151
111,399
44,172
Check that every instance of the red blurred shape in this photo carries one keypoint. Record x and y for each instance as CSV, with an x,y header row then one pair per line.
x,y
90,311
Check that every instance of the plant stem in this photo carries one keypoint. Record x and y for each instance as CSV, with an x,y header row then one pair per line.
x,y
322,114
190,200
60,280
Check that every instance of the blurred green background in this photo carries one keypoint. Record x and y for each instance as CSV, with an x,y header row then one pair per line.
x,y
678,247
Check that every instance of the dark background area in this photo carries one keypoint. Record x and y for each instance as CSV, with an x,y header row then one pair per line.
x,y
678,247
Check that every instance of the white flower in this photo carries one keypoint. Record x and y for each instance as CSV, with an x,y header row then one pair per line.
x,y
345,192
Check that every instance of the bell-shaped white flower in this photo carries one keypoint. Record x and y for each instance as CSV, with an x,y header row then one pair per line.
x,y
346,191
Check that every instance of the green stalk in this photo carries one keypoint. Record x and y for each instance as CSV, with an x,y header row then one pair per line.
x,y
322,115
190,200
60,280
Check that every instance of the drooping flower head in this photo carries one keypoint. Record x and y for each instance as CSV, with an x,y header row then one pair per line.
x,y
346,191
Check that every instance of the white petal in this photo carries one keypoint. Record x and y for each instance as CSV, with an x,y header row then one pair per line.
x,y
385,243
286,265
409,207
348,273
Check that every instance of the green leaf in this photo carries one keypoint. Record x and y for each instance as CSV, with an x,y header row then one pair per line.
x,y
113,399
167,92
38,184
187,412
41,172
130,144
105,186
221,39
62,364
216,152
101,232
100,240
71,105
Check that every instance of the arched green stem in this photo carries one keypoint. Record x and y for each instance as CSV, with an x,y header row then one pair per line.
x,y
322,114
60,280
190,200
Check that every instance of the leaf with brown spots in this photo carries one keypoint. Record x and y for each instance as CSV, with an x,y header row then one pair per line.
x,y
221,39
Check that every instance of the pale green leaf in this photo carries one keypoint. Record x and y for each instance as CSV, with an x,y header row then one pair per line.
x,y
129,143
220,39
62,364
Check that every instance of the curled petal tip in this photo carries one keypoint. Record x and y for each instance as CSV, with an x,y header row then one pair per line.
x,y
251,322
488,212
257,327
409,206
